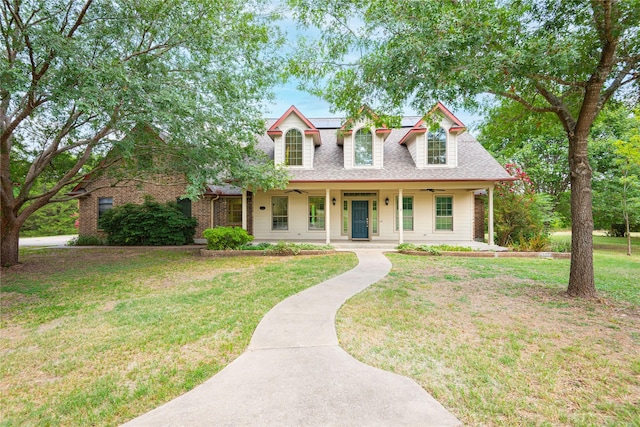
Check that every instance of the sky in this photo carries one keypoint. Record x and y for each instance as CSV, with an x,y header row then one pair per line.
x,y
314,107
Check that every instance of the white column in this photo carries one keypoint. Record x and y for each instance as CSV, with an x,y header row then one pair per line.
x,y
244,209
327,215
400,221
491,242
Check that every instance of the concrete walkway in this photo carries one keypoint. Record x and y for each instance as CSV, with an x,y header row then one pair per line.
x,y
295,374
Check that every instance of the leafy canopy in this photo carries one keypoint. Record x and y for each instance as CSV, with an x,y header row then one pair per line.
x,y
540,53
76,76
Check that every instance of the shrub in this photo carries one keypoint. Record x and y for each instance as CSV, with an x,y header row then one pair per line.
x,y
283,248
86,240
54,219
223,238
149,224
432,249
521,214
560,245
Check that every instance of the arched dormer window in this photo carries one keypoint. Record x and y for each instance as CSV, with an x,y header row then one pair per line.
x,y
363,148
437,147
293,148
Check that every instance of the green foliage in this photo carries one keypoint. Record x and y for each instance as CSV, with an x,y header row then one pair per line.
x,y
432,249
534,141
225,238
55,219
283,248
75,80
270,248
564,58
559,245
149,224
520,214
86,240
616,171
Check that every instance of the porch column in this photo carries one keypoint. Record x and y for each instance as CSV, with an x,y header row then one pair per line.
x,y
491,242
244,209
400,220
327,215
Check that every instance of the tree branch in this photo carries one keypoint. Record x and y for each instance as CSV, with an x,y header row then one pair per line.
x,y
619,81
525,103
567,120
81,16
537,77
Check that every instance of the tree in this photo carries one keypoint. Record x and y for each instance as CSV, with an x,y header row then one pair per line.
x,y
521,213
76,76
623,177
614,152
534,141
562,57
537,142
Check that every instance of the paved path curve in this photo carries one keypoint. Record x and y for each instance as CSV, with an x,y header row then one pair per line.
x,y
295,374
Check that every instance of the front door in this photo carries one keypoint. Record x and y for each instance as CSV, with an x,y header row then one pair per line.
x,y
360,219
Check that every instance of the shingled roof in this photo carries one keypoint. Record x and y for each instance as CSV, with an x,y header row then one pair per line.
x,y
474,161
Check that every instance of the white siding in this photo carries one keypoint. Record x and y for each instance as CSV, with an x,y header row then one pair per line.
x,y
307,151
423,216
412,146
377,149
378,157
292,121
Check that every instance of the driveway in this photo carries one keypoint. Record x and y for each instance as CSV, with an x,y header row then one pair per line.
x,y
45,241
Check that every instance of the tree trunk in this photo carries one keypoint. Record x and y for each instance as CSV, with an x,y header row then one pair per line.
x,y
628,230
581,279
9,245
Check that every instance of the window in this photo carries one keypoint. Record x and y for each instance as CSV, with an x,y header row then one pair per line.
x,y
293,148
234,211
185,207
374,217
444,213
104,204
345,217
437,147
279,213
316,213
363,148
407,213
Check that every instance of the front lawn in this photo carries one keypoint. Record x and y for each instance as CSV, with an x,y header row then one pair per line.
x,y
98,336
498,343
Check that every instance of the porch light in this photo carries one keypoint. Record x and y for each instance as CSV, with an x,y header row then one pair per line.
x,y
333,201
386,201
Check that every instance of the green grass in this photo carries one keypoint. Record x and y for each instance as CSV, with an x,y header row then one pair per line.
x,y
97,336
498,343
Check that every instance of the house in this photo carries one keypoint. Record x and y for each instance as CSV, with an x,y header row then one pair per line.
x,y
349,181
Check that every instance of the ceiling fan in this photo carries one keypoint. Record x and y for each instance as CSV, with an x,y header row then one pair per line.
x,y
433,190
296,191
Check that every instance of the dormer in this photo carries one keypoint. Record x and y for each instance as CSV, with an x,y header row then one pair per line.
x,y
295,139
362,144
433,140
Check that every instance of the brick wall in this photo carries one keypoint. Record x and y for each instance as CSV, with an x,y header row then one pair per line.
x,y
220,212
161,189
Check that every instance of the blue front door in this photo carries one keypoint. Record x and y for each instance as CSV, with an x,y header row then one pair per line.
x,y
360,219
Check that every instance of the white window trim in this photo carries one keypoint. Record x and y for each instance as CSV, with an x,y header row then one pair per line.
x,y
284,148
373,151
435,216
447,147
396,222
317,230
280,230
